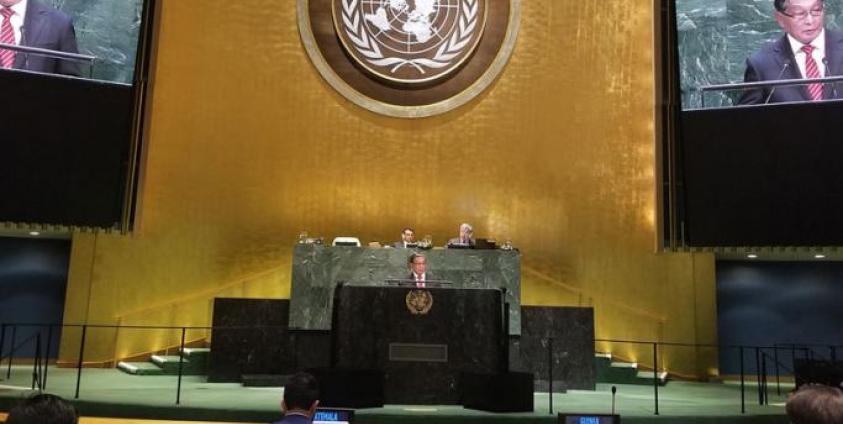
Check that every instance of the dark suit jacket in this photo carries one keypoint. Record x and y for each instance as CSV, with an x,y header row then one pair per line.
x,y
776,61
293,419
47,28
427,277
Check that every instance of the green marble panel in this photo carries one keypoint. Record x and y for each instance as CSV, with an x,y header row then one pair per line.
x,y
108,30
318,268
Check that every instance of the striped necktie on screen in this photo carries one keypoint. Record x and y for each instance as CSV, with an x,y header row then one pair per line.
x,y
7,36
812,71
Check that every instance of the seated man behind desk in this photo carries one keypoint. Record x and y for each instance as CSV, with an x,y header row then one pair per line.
x,y
408,239
806,50
32,23
418,270
301,397
466,237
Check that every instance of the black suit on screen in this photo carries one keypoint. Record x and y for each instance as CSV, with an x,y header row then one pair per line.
x,y
47,28
769,63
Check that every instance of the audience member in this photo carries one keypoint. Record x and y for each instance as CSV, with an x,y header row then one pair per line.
x,y
301,397
43,409
816,404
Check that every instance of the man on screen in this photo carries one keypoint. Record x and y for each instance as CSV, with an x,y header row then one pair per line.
x,y
806,50
32,23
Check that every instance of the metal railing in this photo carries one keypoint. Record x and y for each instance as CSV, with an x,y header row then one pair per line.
x,y
833,80
767,358
86,59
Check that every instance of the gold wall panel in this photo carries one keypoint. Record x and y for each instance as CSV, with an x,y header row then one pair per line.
x,y
247,146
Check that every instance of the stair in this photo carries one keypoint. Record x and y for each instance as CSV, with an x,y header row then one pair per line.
x,y
648,375
194,363
617,372
140,368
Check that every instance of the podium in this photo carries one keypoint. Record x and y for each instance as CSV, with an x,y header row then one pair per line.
x,y
422,339
318,268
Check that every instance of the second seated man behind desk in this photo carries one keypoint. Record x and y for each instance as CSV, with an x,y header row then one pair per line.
x,y
466,237
806,50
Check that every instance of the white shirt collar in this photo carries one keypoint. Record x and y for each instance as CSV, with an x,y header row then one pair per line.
x,y
20,8
296,412
818,43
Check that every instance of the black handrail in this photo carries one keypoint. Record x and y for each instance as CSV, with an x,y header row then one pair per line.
x,y
550,374
40,372
778,367
36,364
656,375
39,364
181,366
81,358
14,348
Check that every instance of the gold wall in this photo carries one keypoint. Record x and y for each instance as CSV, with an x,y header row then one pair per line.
x,y
247,146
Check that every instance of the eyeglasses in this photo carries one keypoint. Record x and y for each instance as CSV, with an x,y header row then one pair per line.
x,y
802,14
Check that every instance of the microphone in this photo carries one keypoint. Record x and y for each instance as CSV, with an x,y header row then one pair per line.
x,y
828,74
773,90
614,391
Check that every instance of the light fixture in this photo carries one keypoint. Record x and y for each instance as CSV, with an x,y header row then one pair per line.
x,y
752,256
34,233
819,256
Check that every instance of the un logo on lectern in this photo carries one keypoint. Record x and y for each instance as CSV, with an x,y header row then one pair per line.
x,y
410,41
409,58
419,302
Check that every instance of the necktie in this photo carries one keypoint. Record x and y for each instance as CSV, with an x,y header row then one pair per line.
x,y
419,281
7,36
812,71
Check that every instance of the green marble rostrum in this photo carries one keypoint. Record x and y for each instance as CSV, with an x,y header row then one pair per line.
x,y
317,269
108,30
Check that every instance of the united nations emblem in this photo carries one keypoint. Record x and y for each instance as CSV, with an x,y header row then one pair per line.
x,y
419,302
409,58
409,41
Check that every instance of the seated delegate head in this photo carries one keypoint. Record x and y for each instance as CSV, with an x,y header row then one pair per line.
x,y
43,409
301,397
815,404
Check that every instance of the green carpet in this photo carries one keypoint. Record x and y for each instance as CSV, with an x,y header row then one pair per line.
x,y
111,393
